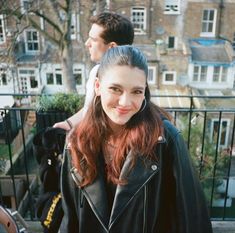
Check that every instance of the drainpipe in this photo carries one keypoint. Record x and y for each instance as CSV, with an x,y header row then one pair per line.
x,y
221,6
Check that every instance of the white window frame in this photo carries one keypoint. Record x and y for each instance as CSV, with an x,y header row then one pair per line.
x,y
28,73
220,74
54,72
23,9
152,79
3,72
208,21
78,71
225,145
233,43
75,26
199,74
172,7
142,24
3,34
33,41
164,81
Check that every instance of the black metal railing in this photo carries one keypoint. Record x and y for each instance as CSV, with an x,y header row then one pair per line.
x,y
208,132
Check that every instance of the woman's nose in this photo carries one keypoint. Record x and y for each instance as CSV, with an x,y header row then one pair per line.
x,y
124,99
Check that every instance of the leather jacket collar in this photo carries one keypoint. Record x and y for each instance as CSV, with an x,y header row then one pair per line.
x,y
95,193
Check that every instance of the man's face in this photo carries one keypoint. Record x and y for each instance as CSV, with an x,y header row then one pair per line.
x,y
95,43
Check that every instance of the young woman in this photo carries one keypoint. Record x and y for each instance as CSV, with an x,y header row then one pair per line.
x,y
126,168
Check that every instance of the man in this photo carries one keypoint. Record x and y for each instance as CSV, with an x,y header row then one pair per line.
x,y
107,30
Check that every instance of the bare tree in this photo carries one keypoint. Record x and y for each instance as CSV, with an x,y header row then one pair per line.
x,y
53,20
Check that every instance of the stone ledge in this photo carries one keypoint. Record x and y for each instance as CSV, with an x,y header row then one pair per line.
x,y
223,226
218,227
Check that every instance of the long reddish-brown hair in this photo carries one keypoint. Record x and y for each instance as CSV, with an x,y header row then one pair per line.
x,y
140,133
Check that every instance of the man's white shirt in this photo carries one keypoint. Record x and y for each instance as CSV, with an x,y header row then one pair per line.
x,y
90,89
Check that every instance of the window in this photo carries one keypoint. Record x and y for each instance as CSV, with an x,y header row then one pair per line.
x,y
74,26
208,22
26,5
152,75
172,7
50,79
138,18
32,41
171,42
58,78
77,73
2,30
25,75
3,79
220,74
199,73
169,77
233,43
222,129
33,82
54,78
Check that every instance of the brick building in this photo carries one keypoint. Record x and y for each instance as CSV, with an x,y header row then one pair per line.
x,y
189,44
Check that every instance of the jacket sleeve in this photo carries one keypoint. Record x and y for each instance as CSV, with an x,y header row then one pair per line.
x,y
191,208
68,190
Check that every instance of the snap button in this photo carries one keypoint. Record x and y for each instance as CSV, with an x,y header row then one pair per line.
x,y
154,167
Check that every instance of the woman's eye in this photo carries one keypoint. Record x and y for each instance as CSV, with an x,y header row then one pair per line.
x,y
138,92
115,89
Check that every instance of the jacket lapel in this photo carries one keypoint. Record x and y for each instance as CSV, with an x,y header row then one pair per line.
x,y
136,178
96,195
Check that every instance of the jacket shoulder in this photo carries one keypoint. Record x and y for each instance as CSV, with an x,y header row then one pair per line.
x,y
170,131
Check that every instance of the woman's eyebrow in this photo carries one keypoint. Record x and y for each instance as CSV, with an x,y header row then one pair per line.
x,y
134,88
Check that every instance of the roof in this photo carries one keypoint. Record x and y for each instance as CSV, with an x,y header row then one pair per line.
x,y
217,99
211,51
148,50
176,97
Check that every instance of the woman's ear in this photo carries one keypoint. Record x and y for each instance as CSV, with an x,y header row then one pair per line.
x,y
97,86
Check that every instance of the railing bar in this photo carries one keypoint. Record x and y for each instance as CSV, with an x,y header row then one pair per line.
x,y
216,157
25,163
229,168
203,143
10,155
189,121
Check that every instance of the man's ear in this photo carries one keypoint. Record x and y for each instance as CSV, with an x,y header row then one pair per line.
x,y
97,87
112,44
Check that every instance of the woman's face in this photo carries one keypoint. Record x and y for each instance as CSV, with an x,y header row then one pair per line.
x,y
121,89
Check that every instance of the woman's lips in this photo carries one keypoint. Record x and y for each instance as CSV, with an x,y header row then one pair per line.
x,y
123,110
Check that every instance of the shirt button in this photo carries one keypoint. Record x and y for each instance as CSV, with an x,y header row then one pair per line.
x,y
154,167
160,138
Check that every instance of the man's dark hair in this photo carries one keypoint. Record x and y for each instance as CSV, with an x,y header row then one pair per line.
x,y
117,28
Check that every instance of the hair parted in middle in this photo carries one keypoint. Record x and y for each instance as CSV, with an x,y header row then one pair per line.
x,y
139,135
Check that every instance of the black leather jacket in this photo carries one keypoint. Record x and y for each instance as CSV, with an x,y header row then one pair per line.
x,y
160,197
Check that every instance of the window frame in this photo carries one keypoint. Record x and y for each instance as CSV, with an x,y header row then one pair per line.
x,y
164,81
175,42
31,41
75,26
153,69
208,21
28,73
213,120
176,3
220,74
2,26
141,30
199,74
56,77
